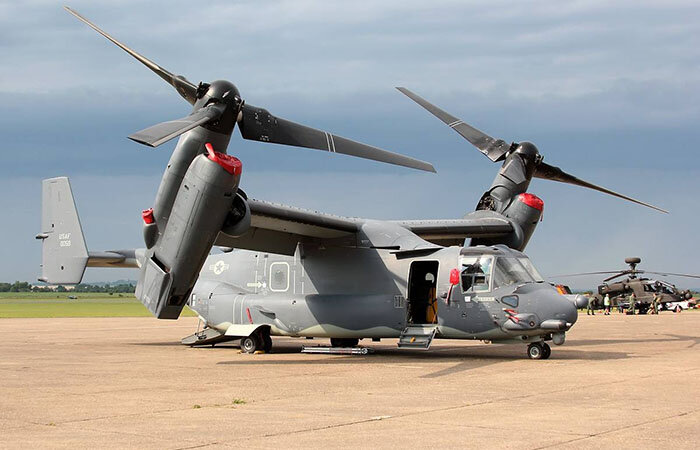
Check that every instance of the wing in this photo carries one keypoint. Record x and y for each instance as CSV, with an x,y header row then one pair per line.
x,y
446,232
278,228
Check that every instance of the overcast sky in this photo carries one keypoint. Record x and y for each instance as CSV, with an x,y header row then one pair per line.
x,y
607,90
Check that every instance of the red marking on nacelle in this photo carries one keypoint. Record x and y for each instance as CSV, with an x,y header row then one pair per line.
x,y
147,215
230,164
454,277
250,319
532,201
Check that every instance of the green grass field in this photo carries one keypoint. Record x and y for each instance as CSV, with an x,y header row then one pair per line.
x,y
55,304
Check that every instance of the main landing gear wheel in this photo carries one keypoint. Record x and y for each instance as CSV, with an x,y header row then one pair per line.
x,y
546,351
251,344
535,350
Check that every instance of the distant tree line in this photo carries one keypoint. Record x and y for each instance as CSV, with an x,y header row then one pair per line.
x,y
23,286
108,288
17,286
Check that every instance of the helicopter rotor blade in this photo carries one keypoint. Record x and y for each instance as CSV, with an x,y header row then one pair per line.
x,y
544,170
626,272
584,274
184,87
258,124
494,149
158,134
666,274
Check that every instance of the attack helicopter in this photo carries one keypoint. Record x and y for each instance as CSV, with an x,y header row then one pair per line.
x,y
288,271
643,288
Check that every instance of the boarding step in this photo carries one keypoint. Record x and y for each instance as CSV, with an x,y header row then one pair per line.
x,y
324,349
417,336
207,336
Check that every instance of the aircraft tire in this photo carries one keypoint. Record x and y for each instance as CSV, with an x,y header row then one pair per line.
x,y
251,344
546,351
535,350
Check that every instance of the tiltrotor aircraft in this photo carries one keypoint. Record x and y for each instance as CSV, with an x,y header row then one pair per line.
x,y
644,288
303,273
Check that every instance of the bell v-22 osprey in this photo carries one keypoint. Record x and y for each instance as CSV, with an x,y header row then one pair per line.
x,y
296,272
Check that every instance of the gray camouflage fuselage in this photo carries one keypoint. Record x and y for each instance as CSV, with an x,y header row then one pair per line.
x,y
303,295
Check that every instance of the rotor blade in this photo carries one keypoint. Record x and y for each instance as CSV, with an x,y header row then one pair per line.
x,y
186,89
163,132
674,274
259,125
626,272
544,170
494,149
584,273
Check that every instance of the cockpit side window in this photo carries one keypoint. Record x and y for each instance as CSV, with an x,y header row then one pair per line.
x,y
511,270
476,273
527,264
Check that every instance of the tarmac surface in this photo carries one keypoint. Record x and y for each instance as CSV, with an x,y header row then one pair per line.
x,y
619,381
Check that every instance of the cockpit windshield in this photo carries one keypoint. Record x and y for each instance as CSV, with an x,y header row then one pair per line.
x,y
511,270
476,273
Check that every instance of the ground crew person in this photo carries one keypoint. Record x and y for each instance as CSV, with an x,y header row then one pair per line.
x,y
632,299
655,303
589,308
606,304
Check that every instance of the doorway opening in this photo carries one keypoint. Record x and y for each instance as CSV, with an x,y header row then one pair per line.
x,y
422,292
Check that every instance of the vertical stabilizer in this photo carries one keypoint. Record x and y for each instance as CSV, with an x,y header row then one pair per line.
x,y
64,253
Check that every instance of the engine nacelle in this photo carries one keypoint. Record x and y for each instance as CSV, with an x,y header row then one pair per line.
x,y
524,211
199,211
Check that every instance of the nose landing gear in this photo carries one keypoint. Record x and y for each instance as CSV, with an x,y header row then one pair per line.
x,y
539,350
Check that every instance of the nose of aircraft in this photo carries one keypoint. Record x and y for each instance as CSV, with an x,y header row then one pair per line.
x,y
568,311
552,307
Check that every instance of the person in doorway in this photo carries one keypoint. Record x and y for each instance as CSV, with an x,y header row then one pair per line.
x,y
606,303
431,311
